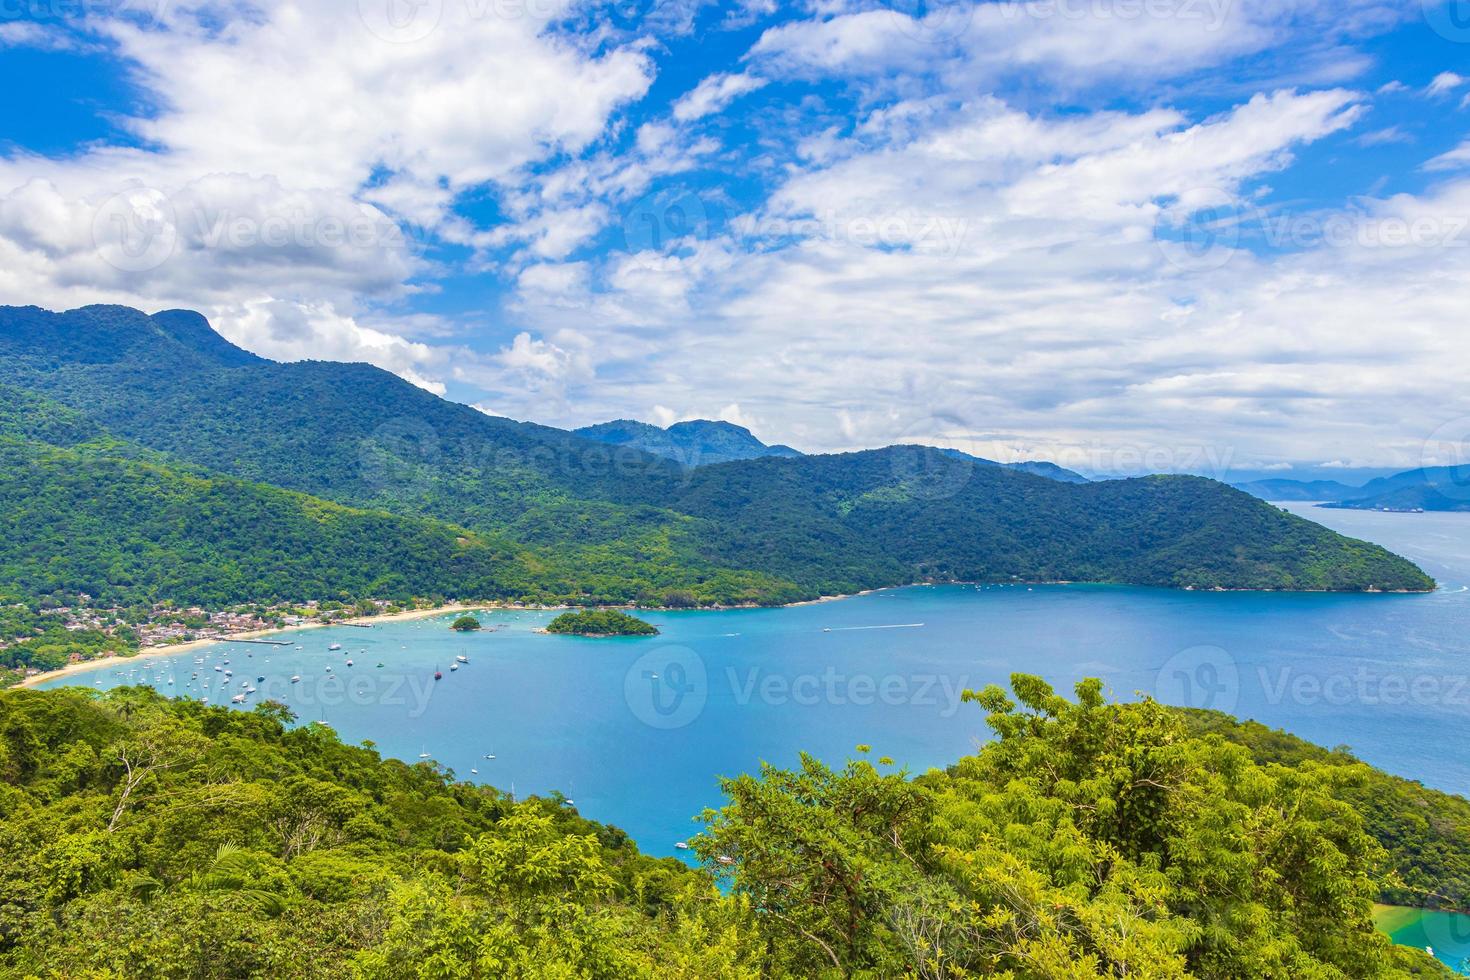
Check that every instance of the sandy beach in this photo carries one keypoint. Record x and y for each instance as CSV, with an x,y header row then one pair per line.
x,y
170,650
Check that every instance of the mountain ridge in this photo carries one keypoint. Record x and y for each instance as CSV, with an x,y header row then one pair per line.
x,y
362,437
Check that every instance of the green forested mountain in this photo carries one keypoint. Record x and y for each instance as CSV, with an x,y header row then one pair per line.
x,y
124,531
786,527
146,837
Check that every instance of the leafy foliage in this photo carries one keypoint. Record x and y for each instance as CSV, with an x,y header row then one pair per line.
x,y
146,837
1426,832
1089,839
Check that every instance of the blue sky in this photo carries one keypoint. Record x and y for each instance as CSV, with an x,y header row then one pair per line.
x,y
1222,236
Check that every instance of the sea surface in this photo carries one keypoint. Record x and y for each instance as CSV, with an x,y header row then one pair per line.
x,y
637,732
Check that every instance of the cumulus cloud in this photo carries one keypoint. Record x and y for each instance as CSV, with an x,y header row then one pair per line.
x,y
713,94
302,158
943,237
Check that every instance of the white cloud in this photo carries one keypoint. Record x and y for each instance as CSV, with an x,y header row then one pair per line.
x,y
299,156
1445,82
1060,327
1456,159
713,94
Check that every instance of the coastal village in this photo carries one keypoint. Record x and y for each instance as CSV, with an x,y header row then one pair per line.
x,y
105,631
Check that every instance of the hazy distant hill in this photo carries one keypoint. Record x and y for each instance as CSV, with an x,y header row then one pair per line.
x,y
694,443
1299,489
1437,488
613,522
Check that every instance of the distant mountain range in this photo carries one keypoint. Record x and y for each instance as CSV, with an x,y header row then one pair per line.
x,y
1435,488
701,443
159,446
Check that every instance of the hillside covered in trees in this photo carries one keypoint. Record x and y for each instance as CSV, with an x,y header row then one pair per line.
x,y
146,837
626,525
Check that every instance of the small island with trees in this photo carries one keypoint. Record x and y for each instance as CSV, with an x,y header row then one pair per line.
x,y
465,624
600,622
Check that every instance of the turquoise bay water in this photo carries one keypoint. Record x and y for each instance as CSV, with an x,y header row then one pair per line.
x,y
636,731
1447,933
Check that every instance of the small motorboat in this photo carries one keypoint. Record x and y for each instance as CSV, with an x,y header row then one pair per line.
x,y
453,667
295,678
217,668
260,679
238,699
349,663
681,846
725,859
335,646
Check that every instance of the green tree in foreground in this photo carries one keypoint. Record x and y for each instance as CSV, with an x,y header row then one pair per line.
x,y
1089,839
146,837
465,624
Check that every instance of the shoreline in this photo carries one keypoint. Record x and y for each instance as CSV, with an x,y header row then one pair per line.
x,y
168,650
84,666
